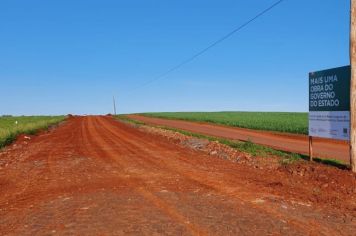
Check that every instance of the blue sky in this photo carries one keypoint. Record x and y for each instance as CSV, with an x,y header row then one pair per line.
x,y
65,56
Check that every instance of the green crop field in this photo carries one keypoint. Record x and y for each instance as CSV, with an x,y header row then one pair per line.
x,y
288,122
11,126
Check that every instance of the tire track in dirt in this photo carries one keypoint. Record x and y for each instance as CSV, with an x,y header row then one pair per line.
x,y
166,208
100,176
211,183
152,152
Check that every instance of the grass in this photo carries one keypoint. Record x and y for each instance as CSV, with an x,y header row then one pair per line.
x,y
129,120
248,147
287,122
9,130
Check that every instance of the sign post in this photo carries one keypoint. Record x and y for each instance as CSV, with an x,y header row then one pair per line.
x,y
311,148
353,85
329,103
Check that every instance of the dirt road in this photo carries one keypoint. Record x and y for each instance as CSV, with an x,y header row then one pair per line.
x,y
324,148
96,176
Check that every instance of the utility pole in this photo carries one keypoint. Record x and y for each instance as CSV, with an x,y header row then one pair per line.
x,y
353,85
113,99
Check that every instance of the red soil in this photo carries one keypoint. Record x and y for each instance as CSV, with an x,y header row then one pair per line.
x,y
96,176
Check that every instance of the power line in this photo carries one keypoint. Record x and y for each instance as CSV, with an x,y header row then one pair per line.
x,y
193,57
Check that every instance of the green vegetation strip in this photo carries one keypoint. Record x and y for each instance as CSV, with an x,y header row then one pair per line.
x,y
11,127
247,147
287,122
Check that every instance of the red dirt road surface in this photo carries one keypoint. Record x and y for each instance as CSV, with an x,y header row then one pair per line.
x,y
96,176
323,148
